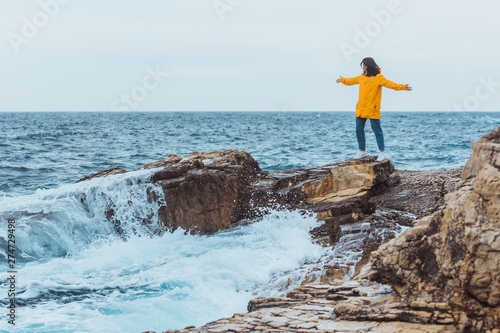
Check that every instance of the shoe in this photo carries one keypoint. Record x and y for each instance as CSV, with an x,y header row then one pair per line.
x,y
381,157
361,154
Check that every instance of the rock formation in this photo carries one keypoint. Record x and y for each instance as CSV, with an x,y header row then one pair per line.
x,y
206,192
453,256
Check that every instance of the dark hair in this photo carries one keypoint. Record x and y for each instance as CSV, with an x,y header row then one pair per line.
x,y
372,68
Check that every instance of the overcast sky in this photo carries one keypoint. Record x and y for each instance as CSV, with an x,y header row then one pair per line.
x,y
245,55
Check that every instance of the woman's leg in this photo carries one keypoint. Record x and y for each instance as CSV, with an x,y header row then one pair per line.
x,y
360,133
379,134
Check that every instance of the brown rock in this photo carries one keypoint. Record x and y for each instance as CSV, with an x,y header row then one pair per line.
x,y
454,255
206,192
417,192
103,173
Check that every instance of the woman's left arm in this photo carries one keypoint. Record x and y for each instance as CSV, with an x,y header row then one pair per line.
x,y
392,85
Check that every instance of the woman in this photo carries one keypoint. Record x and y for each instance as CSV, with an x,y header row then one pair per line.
x,y
368,107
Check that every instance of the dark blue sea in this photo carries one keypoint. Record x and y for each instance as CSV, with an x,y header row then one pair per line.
x,y
74,274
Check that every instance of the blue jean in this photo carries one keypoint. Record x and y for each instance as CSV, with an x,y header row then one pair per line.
x,y
360,133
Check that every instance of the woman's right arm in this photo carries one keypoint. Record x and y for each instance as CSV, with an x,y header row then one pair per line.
x,y
349,81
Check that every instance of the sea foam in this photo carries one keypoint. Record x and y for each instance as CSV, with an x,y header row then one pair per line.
x,y
80,275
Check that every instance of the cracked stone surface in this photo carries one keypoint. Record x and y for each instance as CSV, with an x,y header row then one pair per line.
x,y
366,307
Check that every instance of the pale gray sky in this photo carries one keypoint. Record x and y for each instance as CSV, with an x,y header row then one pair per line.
x,y
245,55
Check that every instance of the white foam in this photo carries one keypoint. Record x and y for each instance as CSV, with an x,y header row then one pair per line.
x,y
163,282
62,221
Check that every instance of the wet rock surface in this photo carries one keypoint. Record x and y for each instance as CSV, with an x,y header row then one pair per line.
x,y
339,306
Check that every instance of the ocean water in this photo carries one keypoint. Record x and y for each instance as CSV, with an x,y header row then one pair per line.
x,y
76,274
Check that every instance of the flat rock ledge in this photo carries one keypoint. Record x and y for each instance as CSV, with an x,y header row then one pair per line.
x,y
339,306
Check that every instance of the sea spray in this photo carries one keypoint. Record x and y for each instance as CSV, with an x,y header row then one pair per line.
x,y
60,222
100,281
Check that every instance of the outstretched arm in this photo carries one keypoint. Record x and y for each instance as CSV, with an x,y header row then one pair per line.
x,y
391,85
348,81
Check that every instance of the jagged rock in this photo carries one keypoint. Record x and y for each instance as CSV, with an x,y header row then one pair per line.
x,y
410,195
339,193
206,192
453,256
417,192
331,190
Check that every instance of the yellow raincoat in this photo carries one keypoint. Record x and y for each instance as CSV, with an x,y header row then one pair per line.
x,y
370,93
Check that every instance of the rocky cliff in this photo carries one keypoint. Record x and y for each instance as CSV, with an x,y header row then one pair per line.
x,y
453,256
